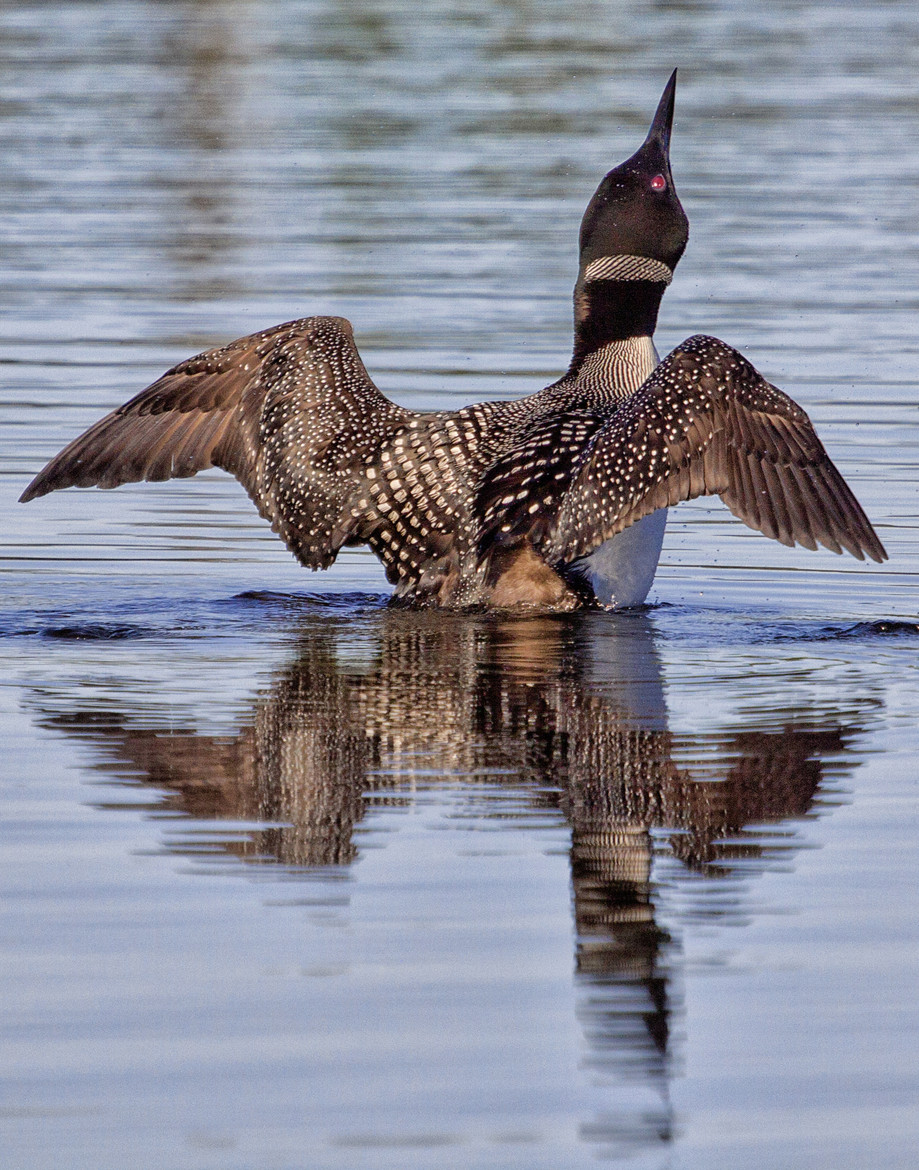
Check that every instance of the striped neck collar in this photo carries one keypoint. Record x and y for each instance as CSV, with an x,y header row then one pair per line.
x,y
626,267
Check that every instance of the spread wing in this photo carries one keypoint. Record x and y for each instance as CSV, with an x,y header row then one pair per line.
x,y
704,423
291,412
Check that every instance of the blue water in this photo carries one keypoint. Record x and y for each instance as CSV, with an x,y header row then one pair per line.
x,y
293,880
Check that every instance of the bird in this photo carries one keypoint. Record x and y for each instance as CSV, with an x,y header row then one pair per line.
x,y
552,502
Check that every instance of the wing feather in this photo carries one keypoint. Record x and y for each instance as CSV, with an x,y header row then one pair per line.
x,y
290,412
704,423
523,491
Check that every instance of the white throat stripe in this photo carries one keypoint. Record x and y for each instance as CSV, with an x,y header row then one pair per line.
x,y
627,267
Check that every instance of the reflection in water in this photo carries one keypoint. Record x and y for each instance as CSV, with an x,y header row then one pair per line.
x,y
176,171
568,712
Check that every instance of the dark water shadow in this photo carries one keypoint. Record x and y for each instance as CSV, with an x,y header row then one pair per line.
x,y
567,714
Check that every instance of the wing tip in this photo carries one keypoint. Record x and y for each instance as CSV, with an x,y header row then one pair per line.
x,y
77,472
876,550
41,485
861,552
858,540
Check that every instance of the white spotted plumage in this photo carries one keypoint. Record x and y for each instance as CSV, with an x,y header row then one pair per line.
x,y
328,460
551,501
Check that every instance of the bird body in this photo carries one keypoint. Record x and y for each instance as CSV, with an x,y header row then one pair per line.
x,y
621,570
552,501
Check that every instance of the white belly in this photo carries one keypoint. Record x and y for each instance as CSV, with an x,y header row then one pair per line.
x,y
621,570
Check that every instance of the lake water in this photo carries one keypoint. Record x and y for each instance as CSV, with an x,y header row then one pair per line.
x,y
294,881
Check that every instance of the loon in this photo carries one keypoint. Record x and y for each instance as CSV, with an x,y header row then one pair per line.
x,y
554,501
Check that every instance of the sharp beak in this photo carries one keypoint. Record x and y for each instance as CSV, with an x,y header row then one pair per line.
x,y
659,134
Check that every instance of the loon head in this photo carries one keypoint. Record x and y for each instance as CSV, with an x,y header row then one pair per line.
x,y
633,234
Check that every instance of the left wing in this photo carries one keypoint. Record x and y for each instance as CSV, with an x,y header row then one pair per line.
x,y
291,412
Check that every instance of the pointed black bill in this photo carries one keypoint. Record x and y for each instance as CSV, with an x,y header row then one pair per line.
x,y
663,118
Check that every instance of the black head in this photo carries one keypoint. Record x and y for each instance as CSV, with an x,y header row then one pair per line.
x,y
633,234
635,211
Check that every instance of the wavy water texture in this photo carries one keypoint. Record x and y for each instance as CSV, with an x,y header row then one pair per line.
x,y
293,878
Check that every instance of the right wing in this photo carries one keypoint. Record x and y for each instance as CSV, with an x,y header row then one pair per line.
x,y
704,423
291,412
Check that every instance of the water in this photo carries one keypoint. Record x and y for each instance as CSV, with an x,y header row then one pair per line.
x,y
292,880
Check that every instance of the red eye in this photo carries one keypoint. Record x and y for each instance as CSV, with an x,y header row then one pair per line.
x,y
658,183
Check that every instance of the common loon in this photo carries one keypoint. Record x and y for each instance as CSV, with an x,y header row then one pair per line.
x,y
553,501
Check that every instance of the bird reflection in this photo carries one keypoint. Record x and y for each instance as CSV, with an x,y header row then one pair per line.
x,y
566,711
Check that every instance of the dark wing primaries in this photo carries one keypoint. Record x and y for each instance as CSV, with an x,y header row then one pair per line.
x,y
141,439
291,412
704,423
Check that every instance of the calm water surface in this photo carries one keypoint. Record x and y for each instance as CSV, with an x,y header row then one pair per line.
x,y
294,881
